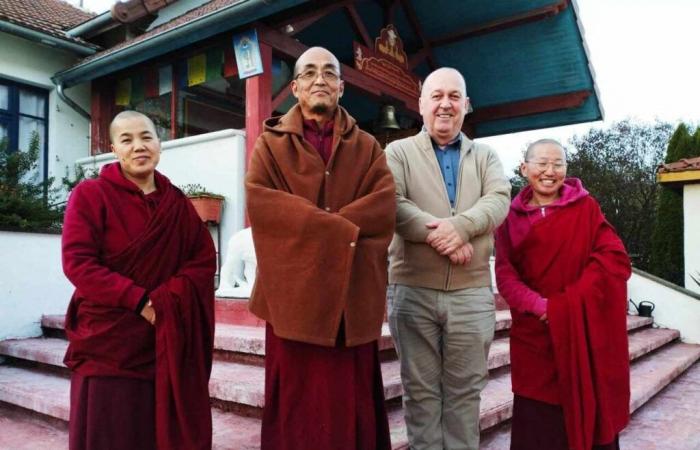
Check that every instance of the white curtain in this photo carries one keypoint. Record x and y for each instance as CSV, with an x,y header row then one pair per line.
x,y
4,97
31,103
28,127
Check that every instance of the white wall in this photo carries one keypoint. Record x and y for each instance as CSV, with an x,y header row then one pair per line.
x,y
676,307
31,282
691,231
214,160
27,62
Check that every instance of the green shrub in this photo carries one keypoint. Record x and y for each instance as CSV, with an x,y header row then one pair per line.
x,y
26,202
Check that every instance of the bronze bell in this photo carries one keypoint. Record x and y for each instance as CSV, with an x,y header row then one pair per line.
x,y
387,118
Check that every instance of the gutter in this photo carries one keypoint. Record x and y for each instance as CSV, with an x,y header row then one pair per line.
x,y
93,24
237,14
46,39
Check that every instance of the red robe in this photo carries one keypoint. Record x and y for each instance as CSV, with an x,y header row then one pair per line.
x,y
119,245
574,258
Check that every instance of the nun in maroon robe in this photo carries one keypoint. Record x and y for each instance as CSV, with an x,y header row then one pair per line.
x,y
563,270
140,324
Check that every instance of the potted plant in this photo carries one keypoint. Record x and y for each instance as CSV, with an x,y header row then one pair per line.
x,y
207,204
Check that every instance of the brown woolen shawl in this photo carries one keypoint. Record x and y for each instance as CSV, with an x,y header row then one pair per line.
x,y
314,266
175,260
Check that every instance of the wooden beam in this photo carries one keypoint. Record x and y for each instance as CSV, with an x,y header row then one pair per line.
x,y
501,24
417,58
358,25
298,23
292,48
281,96
687,176
415,24
258,100
389,9
528,107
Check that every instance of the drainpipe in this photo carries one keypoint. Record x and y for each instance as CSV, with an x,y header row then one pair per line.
x,y
62,95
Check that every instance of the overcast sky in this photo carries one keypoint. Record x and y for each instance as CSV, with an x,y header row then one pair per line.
x,y
644,54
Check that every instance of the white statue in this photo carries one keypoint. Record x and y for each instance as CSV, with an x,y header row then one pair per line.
x,y
238,271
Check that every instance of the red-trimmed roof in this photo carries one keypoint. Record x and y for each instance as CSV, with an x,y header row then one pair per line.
x,y
680,166
52,17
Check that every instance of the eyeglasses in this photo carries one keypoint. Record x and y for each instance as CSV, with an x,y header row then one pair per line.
x,y
310,75
541,166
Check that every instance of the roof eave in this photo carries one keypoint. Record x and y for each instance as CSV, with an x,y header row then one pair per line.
x,y
46,39
231,16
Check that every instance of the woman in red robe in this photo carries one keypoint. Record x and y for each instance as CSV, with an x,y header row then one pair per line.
x,y
140,324
563,270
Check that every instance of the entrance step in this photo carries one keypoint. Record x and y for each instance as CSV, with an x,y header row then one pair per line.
x,y
672,416
23,430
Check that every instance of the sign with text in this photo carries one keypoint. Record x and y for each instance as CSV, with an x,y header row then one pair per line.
x,y
387,62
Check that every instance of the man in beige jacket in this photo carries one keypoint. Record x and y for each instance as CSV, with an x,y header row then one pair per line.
x,y
452,194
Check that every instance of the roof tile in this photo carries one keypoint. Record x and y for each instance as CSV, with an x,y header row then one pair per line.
x,y
52,17
680,166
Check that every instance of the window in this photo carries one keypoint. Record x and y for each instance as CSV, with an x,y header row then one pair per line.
x,y
23,115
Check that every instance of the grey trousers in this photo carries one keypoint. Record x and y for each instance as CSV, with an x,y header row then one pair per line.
x,y
442,339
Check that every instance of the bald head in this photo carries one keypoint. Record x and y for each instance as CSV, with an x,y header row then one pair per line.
x,y
443,103
128,115
310,57
529,153
440,76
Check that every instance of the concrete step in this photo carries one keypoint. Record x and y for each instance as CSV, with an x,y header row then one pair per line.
x,y
23,430
48,394
242,340
669,418
38,392
49,351
42,392
669,422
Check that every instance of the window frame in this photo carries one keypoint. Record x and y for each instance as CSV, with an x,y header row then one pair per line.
x,y
12,117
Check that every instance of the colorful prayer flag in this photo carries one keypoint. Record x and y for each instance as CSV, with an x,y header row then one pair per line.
x,y
123,94
182,74
215,61
165,79
196,69
150,79
138,92
230,69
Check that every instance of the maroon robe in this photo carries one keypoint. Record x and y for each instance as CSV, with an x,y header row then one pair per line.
x,y
580,360
119,245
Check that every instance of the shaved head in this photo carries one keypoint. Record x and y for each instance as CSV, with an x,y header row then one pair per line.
x,y
312,54
531,148
130,115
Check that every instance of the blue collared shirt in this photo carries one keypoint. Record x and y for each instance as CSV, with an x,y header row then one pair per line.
x,y
448,160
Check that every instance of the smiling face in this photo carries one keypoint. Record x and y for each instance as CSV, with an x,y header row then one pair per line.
x,y
443,104
545,170
135,145
317,84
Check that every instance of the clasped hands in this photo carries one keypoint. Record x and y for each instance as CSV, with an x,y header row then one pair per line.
x,y
446,241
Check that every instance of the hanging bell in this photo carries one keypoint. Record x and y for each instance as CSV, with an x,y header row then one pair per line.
x,y
387,118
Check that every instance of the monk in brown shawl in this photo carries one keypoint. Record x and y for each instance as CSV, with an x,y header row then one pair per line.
x,y
321,204
141,321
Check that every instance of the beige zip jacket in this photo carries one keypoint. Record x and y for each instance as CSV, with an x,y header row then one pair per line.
x,y
481,204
